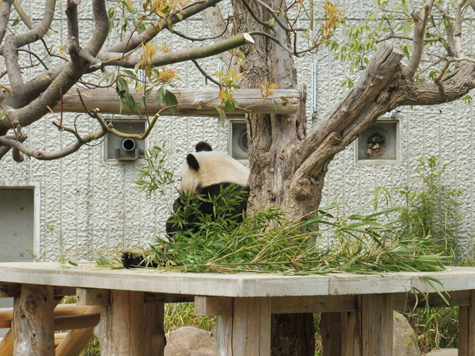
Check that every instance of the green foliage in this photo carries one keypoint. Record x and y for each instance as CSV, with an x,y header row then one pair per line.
x,y
435,328
433,210
269,242
183,314
155,175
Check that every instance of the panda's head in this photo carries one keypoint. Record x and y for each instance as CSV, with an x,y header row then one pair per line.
x,y
206,167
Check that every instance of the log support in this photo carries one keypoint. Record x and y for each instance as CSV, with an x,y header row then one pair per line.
x,y
33,321
131,327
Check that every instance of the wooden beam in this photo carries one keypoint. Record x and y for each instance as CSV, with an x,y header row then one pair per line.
x,y
130,324
467,328
107,101
213,306
33,325
89,296
69,322
76,340
168,298
9,290
6,314
63,291
410,300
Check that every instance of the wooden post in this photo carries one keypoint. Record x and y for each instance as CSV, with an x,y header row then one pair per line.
x,y
130,327
223,331
341,333
467,328
33,321
376,325
251,327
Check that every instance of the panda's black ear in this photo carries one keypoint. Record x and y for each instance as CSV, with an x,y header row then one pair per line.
x,y
203,146
192,162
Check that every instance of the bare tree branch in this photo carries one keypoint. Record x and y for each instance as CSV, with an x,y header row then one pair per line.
x,y
379,72
43,156
5,9
101,30
40,30
419,34
131,43
206,75
218,26
73,29
458,27
24,17
11,61
177,56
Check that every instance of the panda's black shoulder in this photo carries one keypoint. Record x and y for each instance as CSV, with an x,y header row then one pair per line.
x,y
216,189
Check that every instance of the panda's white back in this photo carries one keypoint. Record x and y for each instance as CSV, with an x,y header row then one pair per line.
x,y
215,168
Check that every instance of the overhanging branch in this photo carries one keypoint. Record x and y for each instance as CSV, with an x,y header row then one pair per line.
x,y
136,40
111,59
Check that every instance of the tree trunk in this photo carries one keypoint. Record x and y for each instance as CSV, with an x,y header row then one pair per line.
x,y
272,141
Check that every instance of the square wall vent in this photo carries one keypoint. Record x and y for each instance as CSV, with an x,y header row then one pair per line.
x,y
237,140
379,144
125,149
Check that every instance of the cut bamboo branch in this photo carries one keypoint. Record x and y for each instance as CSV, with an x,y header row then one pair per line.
x,y
248,101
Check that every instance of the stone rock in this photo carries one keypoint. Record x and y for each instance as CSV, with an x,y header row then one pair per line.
x,y
404,339
444,352
190,341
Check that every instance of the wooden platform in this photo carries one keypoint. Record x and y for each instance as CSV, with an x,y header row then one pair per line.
x,y
357,309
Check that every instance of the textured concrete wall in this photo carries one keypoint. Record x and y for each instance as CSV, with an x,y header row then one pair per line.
x,y
95,205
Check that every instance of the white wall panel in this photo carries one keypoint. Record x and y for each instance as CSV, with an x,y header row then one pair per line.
x,y
95,205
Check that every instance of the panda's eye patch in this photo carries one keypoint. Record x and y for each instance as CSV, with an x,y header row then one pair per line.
x,y
192,162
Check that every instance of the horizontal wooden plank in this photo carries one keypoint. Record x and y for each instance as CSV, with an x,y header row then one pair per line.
x,y
213,306
91,296
319,304
6,314
168,298
248,100
9,290
410,300
227,285
70,322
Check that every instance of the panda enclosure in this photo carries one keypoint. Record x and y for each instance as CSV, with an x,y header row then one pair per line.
x,y
86,203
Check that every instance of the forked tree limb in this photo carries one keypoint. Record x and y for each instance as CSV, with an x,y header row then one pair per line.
x,y
39,31
378,74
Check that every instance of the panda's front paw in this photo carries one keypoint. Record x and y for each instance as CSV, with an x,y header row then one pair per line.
x,y
131,260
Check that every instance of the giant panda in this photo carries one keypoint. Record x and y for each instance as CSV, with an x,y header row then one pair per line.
x,y
207,173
